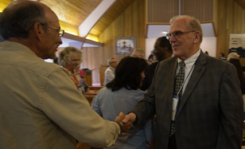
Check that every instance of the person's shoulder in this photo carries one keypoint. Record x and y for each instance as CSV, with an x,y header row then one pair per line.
x,y
214,60
107,69
104,90
137,92
215,63
168,61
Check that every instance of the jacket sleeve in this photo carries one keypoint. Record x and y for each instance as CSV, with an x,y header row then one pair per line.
x,y
63,104
145,109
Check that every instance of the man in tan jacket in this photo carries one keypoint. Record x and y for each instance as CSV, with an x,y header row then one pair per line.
x,y
40,107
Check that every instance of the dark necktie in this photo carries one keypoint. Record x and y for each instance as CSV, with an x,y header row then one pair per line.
x,y
179,79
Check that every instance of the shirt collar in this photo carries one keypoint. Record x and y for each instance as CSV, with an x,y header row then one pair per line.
x,y
191,60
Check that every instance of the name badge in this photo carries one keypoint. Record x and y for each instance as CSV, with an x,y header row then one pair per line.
x,y
174,106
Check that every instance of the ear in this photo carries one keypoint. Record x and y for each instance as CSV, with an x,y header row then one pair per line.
x,y
38,31
197,37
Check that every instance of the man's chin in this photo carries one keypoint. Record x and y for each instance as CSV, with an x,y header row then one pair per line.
x,y
176,54
53,56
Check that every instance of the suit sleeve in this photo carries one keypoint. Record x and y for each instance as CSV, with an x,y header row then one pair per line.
x,y
231,105
146,108
149,131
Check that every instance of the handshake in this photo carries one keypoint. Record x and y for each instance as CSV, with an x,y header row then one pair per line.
x,y
125,122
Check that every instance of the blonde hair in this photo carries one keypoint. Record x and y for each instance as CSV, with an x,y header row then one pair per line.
x,y
140,53
233,55
65,55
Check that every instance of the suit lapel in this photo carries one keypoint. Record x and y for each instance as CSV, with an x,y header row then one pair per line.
x,y
172,73
195,76
169,74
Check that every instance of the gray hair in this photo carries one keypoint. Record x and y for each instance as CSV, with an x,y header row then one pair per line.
x,y
109,60
233,55
140,51
65,55
19,18
192,22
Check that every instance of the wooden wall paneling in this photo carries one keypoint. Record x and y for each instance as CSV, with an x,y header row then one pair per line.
x,y
215,15
93,37
146,15
241,3
230,21
73,12
131,23
201,9
127,23
240,27
88,76
4,4
162,10
69,28
142,22
110,15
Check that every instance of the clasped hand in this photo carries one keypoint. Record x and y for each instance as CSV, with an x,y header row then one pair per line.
x,y
125,126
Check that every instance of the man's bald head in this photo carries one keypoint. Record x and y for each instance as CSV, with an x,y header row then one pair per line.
x,y
19,18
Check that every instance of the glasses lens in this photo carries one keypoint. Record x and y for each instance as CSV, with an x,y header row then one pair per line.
x,y
177,33
168,36
61,33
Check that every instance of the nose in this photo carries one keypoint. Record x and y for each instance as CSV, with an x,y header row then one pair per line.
x,y
172,39
78,62
60,40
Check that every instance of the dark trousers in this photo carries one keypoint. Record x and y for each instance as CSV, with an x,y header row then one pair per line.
x,y
172,142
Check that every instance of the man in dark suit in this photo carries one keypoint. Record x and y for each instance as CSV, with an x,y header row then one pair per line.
x,y
162,50
206,111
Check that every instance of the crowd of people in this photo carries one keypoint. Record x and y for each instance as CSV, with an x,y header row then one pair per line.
x,y
181,98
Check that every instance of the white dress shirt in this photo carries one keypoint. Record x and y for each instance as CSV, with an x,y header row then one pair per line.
x,y
109,75
189,67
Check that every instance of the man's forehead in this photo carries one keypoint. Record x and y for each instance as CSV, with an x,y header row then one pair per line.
x,y
179,25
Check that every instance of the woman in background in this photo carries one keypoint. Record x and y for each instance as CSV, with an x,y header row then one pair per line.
x,y
71,58
123,94
233,58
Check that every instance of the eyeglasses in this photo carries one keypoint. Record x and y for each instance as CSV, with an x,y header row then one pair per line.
x,y
176,34
61,32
